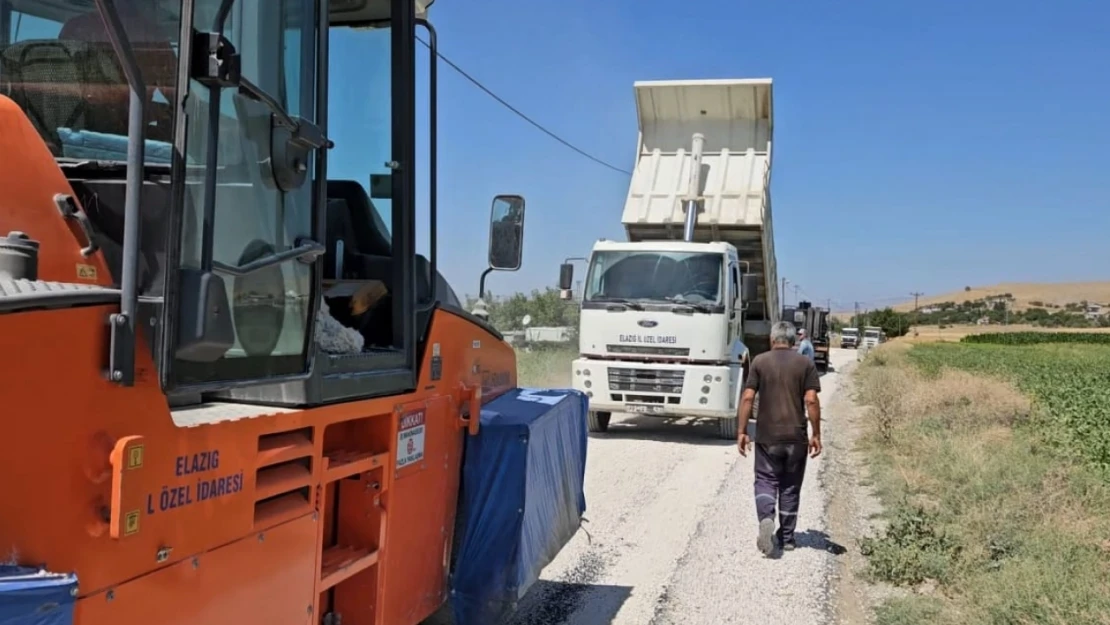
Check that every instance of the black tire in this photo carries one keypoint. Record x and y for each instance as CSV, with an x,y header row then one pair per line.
x,y
597,421
728,428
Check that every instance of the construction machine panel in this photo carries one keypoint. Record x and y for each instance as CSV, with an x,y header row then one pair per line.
x,y
124,493
262,578
34,195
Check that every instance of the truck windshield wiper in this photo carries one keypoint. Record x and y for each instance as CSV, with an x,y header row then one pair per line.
x,y
698,307
619,301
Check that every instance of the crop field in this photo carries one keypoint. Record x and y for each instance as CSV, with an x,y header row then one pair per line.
x,y
993,465
1038,338
1068,381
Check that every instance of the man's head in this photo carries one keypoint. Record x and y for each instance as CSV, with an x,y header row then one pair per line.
x,y
782,334
801,334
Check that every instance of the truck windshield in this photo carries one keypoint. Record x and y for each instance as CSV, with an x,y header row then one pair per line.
x,y
871,335
693,277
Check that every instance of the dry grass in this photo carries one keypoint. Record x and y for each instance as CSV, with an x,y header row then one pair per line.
x,y
1059,293
986,524
547,367
953,334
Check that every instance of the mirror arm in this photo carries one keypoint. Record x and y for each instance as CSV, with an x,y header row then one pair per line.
x,y
482,283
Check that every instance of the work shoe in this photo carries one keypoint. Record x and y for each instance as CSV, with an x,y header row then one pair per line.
x,y
766,542
785,545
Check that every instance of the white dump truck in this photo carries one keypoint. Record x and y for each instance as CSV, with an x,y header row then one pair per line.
x,y
849,338
671,317
872,336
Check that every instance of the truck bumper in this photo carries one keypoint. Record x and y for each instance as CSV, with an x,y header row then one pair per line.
x,y
663,390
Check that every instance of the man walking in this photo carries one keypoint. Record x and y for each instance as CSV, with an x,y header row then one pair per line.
x,y
787,383
805,346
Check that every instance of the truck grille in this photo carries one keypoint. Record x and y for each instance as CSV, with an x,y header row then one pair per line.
x,y
645,380
648,351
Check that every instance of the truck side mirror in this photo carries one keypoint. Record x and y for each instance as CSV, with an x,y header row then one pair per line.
x,y
506,233
566,281
749,288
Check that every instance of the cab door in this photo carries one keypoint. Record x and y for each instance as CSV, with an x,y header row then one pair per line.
x,y
734,302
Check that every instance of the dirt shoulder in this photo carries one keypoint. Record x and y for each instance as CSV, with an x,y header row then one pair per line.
x,y
853,508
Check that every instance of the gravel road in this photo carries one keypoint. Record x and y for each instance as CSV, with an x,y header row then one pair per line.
x,y
670,537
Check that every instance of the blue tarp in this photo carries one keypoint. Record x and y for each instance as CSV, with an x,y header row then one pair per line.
x,y
522,498
35,597
108,147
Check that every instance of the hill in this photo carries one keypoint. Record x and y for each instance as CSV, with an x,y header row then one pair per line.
x,y
1025,295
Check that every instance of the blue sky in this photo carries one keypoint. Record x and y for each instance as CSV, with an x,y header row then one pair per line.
x,y
919,146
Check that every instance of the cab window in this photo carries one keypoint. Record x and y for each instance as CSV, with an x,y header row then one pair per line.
x,y
57,64
254,217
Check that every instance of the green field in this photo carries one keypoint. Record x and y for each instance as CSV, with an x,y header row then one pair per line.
x,y
1069,384
993,465
1038,338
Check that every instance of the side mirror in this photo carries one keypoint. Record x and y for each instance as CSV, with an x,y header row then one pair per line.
x,y
506,232
749,288
566,276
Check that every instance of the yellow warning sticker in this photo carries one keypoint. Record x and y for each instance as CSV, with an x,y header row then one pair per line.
x,y
86,272
131,523
135,457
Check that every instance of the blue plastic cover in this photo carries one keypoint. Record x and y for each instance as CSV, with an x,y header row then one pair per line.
x,y
35,597
522,498
109,147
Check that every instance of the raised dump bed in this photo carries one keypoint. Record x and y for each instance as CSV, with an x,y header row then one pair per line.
x,y
735,119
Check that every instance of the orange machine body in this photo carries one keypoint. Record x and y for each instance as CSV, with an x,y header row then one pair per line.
x,y
219,513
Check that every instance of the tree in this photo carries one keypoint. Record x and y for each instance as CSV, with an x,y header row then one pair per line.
x,y
544,307
892,322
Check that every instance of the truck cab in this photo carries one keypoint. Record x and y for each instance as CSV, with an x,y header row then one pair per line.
x,y
849,338
661,330
872,336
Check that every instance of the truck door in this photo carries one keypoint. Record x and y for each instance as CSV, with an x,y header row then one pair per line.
x,y
734,299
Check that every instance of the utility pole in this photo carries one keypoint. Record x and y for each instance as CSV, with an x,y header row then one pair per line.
x,y
782,294
915,295
796,288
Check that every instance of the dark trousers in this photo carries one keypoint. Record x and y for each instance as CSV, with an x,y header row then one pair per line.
x,y
779,469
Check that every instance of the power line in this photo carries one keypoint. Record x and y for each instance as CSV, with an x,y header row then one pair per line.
x,y
520,114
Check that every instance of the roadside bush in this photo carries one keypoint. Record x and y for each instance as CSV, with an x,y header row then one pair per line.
x,y
913,549
545,365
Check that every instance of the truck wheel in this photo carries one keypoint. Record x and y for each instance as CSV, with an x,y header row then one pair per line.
x,y
597,421
728,428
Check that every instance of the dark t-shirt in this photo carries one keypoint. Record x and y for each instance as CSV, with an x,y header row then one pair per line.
x,y
782,377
